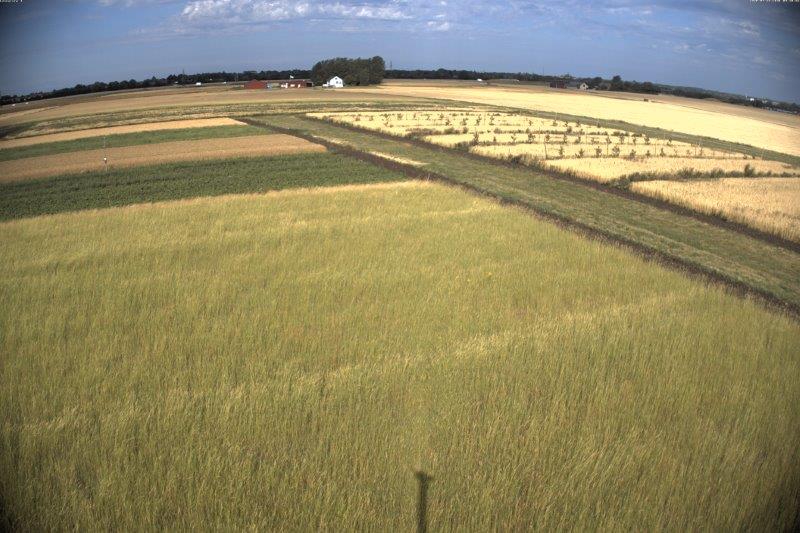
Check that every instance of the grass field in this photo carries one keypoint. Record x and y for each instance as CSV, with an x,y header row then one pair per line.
x,y
771,204
182,180
149,154
284,361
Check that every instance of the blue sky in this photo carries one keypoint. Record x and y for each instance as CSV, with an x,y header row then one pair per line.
x,y
743,46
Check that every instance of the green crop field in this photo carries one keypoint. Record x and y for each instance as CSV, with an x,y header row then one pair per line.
x,y
288,360
127,139
172,181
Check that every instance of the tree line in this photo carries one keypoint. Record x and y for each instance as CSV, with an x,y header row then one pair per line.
x,y
372,70
171,80
353,71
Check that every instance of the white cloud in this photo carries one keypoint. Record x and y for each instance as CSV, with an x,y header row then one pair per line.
x,y
434,25
761,60
264,11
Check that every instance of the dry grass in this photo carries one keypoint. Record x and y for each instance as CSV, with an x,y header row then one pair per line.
x,y
396,159
282,362
116,130
768,204
729,123
127,156
610,169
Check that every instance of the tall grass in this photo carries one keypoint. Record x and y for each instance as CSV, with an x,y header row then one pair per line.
x,y
285,361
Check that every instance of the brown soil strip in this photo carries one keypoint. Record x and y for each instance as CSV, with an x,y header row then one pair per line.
x,y
128,156
116,130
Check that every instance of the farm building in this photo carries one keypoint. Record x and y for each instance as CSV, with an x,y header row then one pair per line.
x,y
278,84
558,85
335,82
582,86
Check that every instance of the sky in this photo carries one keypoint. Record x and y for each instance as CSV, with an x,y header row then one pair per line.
x,y
748,47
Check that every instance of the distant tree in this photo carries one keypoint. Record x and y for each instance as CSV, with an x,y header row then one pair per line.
x,y
353,71
616,83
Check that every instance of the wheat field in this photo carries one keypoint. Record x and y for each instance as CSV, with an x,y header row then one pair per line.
x,y
286,361
607,170
729,123
769,204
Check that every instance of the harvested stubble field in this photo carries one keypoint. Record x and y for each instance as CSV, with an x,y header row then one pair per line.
x,y
770,204
118,130
129,156
772,131
543,381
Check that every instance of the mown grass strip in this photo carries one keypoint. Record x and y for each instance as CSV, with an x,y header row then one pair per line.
x,y
128,139
738,259
184,180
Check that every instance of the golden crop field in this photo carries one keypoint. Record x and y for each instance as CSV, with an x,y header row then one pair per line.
x,y
117,130
129,156
770,204
285,361
772,131
584,148
607,169
238,342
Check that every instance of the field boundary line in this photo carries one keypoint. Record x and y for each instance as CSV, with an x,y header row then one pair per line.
x,y
628,194
648,253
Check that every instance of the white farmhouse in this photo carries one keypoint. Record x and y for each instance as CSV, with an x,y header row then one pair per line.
x,y
335,82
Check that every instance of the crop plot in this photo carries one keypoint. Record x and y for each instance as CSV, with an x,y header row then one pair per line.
x,y
259,360
769,204
118,130
589,151
585,149
130,156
